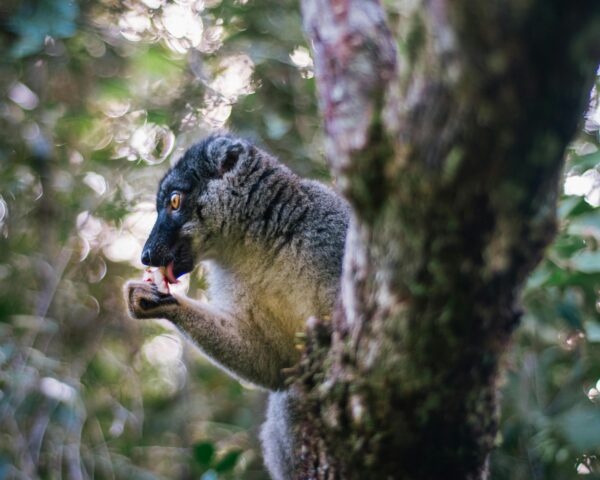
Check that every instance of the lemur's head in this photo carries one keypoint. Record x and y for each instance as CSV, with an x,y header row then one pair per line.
x,y
187,210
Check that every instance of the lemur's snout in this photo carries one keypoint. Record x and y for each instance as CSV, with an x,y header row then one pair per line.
x,y
146,257
165,248
158,250
156,255
151,255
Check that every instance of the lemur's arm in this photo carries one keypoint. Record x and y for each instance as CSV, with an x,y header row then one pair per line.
x,y
226,340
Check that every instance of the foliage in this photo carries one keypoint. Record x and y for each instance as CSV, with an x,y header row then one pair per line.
x,y
550,409
30,23
96,98
91,109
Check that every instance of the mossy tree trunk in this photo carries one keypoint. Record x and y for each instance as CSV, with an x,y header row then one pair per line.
x,y
446,124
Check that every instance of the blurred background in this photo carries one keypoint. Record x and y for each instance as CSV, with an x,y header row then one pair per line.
x,y
97,99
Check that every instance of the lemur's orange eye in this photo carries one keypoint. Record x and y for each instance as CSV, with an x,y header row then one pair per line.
x,y
175,200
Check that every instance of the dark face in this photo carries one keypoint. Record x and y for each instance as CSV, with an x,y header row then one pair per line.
x,y
177,231
168,245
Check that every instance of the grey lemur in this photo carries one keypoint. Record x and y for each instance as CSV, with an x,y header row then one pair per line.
x,y
273,245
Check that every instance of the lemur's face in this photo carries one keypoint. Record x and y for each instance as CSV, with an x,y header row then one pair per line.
x,y
171,243
181,228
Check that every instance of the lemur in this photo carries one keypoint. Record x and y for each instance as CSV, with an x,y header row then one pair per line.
x,y
273,245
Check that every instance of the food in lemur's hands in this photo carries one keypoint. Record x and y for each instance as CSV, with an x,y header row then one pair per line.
x,y
161,277
272,244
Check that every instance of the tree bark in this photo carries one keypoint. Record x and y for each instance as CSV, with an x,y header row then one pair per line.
x,y
446,126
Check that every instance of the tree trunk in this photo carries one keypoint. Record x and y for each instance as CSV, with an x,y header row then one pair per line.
x,y
446,125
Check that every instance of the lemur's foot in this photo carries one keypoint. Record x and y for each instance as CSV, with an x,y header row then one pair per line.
x,y
144,300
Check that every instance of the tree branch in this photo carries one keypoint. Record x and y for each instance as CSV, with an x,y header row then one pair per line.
x,y
452,168
355,65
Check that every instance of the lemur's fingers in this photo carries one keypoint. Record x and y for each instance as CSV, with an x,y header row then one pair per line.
x,y
144,300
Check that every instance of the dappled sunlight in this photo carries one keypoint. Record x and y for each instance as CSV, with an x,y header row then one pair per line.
x,y
302,59
125,244
153,143
179,25
3,215
126,128
57,390
122,247
183,26
134,24
93,115
96,182
234,78
141,220
23,96
115,108
89,227
213,114
571,340
592,116
165,352
586,185
593,393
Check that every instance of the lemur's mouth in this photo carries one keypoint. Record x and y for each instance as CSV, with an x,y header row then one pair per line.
x,y
176,268
181,261
169,273
162,277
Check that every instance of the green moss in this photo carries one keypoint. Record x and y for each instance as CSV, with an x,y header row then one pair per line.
x,y
416,38
368,187
452,164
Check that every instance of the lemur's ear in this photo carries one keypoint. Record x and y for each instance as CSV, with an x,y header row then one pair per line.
x,y
227,152
232,155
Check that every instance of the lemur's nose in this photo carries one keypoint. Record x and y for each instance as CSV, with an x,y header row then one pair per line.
x,y
146,258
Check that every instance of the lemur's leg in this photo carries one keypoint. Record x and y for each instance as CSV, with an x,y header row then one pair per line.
x,y
231,342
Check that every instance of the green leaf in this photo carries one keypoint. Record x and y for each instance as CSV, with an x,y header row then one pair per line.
x,y
580,427
567,205
587,224
34,21
570,312
210,475
592,332
114,88
587,262
539,276
579,164
575,208
204,452
5,467
228,461
567,245
156,63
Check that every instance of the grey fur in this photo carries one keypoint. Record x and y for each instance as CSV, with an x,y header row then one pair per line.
x,y
277,437
273,245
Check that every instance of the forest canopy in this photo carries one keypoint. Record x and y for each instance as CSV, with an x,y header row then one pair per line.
x,y
97,99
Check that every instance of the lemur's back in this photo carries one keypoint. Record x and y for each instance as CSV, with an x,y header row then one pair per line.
x,y
285,260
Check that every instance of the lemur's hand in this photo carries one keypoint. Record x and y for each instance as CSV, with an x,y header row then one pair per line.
x,y
144,300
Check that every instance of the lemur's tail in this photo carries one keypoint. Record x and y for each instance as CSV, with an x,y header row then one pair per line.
x,y
277,437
